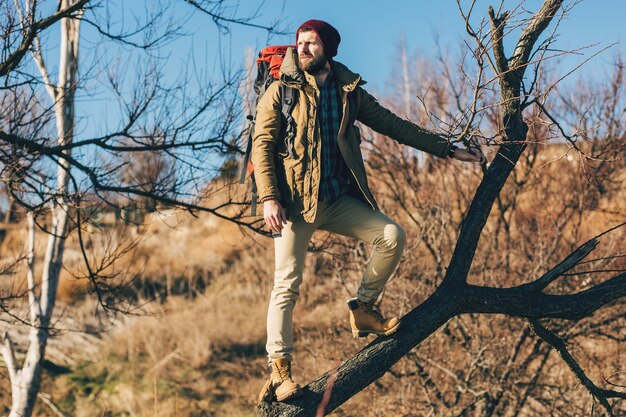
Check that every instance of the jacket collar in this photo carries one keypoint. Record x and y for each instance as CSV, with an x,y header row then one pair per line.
x,y
292,76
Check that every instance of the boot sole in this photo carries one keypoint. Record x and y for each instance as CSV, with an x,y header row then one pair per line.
x,y
266,393
291,394
364,333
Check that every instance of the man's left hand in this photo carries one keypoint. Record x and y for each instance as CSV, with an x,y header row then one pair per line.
x,y
470,155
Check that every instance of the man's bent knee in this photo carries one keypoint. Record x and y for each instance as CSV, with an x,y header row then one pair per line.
x,y
393,238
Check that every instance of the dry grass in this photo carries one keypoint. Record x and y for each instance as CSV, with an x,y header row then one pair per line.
x,y
202,353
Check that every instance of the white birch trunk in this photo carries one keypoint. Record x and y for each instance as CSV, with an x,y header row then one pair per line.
x,y
25,379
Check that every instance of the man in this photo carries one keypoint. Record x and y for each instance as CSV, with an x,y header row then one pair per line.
x,y
317,181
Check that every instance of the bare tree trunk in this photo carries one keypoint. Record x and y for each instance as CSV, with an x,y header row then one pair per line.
x,y
25,380
10,206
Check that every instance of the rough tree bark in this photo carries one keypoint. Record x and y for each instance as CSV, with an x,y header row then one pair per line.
x,y
25,379
455,296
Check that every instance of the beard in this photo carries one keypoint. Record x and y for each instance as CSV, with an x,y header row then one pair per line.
x,y
314,65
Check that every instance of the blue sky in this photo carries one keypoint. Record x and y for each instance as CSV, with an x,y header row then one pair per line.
x,y
371,29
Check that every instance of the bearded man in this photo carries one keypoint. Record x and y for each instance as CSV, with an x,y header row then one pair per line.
x,y
320,183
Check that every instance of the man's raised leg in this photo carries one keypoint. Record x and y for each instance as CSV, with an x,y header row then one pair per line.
x,y
351,217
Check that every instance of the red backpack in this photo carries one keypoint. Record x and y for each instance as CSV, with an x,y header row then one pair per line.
x,y
268,70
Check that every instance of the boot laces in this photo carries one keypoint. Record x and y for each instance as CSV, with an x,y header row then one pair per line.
x,y
373,311
284,373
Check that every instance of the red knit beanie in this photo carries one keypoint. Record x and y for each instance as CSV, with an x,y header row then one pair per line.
x,y
327,33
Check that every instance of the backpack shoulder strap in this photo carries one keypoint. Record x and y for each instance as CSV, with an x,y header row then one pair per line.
x,y
288,103
288,98
247,165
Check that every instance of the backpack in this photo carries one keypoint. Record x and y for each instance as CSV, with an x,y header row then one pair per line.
x,y
268,71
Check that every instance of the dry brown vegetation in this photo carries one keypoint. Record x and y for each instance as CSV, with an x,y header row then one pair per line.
x,y
200,286
202,352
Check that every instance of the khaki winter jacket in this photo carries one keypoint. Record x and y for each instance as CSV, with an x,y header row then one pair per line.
x,y
295,181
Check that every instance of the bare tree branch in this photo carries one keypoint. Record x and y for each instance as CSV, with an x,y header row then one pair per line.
x,y
565,265
8,354
217,14
602,395
15,58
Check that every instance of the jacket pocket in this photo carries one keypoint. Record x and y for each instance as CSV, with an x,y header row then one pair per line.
x,y
294,185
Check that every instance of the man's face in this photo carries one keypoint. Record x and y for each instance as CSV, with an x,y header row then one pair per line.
x,y
311,56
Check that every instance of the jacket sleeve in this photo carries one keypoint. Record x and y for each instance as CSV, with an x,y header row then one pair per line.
x,y
383,121
264,140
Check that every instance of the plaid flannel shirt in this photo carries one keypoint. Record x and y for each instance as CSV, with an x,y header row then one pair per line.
x,y
334,178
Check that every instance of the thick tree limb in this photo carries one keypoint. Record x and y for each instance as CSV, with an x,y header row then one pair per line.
x,y
375,359
531,33
497,39
565,265
370,363
520,302
514,143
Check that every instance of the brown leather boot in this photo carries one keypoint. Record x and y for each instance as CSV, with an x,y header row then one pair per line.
x,y
280,386
366,319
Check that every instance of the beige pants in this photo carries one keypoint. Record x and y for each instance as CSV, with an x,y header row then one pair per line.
x,y
346,216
